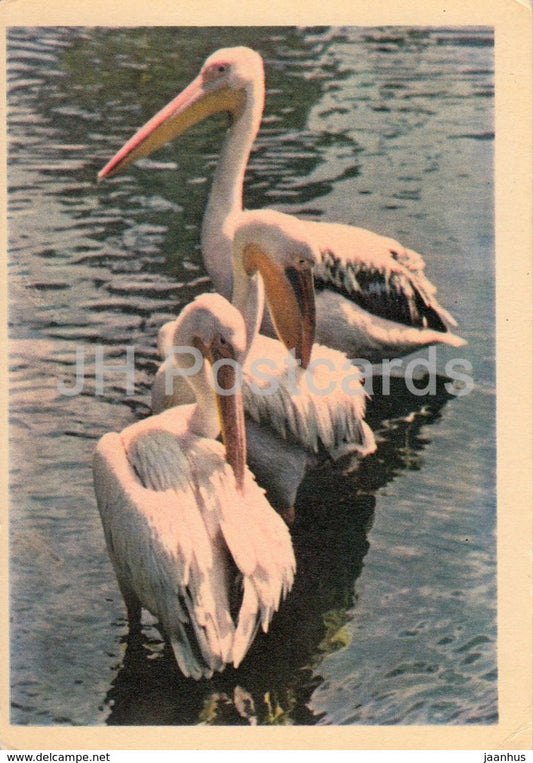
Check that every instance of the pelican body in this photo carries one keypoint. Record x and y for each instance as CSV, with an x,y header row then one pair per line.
x,y
304,402
190,534
373,300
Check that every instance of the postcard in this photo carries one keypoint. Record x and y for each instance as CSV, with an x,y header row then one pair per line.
x,y
267,337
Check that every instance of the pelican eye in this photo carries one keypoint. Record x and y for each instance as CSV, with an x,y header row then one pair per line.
x,y
222,340
212,71
218,68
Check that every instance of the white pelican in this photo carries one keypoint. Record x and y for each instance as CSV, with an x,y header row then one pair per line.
x,y
295,416
185,523
373,300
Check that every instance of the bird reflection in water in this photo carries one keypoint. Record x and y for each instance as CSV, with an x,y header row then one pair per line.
x,y
274,684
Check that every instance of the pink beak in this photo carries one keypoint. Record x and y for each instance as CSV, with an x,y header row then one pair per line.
x,y
167,124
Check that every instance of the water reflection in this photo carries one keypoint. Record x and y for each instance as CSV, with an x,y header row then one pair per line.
x,y
273,686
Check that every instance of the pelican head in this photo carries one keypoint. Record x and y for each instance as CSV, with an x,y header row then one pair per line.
x,y
229,79
276,246
214,327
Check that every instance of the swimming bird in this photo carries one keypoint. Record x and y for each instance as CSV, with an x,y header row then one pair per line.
x,y
190,534
304,402
373,299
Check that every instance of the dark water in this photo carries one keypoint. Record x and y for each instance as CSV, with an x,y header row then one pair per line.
x,y
393,616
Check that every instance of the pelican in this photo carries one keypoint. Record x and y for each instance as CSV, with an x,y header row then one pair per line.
x,y
373,300
185,523
297,415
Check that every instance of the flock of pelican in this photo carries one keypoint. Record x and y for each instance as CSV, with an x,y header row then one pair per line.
x,y
191,535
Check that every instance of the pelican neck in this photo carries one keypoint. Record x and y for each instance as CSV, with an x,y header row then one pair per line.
x,y
249,299
226,196
204,420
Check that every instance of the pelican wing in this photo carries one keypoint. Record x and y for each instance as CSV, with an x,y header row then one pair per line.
x,y
165,338
161,547
179,531
259,543
378,274
300,408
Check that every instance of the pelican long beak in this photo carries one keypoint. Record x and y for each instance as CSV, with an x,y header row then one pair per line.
x,y
191,106
230,411
290,297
